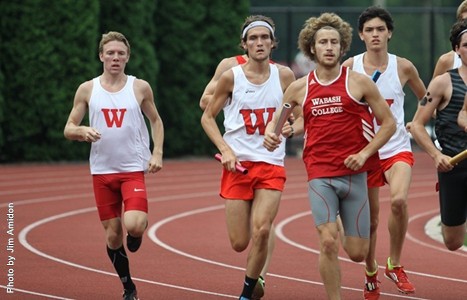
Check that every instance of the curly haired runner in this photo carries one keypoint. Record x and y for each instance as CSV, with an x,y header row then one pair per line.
x,y
120,151
340,144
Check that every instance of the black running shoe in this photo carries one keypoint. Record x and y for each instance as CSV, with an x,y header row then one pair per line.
x,y
130,295
133,243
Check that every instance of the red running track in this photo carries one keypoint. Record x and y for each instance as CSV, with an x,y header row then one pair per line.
x,y
52,244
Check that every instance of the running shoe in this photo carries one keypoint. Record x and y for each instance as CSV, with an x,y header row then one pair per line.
x,y
130,295
133,243
398,276
258,292
371,290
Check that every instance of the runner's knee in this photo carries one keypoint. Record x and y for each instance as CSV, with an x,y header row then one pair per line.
x,y
398,206
261,236
114,237
329,246
453,240
136,222
239,245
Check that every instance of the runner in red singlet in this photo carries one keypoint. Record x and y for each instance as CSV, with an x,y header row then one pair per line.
x,y
340,144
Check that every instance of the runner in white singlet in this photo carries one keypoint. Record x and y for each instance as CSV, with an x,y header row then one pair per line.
x,y
249,94
375,29
120,153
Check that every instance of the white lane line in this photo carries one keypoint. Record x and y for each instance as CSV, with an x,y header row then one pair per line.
x,y
285,222
152,232
22,237
433,230
173,197
48,296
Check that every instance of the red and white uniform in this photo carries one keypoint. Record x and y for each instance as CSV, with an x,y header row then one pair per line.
x,y
246,115
337,125
124,143
391,89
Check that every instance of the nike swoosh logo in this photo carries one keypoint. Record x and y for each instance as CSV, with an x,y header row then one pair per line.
x,y
139,190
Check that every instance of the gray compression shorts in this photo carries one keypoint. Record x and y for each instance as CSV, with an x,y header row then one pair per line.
x,y
343,195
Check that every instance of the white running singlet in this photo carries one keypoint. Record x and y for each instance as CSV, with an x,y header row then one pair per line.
x,y
391,89
248,112
124,142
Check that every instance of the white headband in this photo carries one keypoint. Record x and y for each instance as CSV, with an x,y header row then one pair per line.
x,y
256,24
461,33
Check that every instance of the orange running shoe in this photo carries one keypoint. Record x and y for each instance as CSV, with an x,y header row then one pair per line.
x,y
398,276
371,290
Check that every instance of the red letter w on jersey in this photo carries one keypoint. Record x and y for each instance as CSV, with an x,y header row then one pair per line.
x,y
260,124
114,116
390,102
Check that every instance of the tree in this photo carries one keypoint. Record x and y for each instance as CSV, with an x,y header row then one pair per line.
x,y
194,36
42,61
135,19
